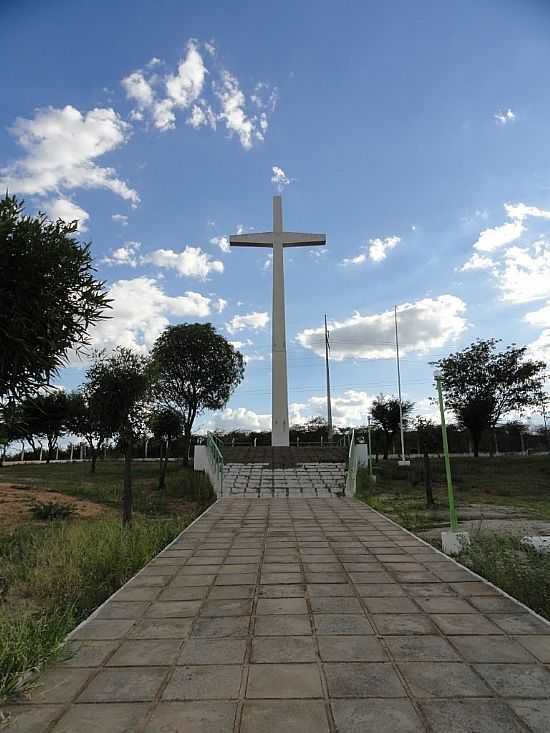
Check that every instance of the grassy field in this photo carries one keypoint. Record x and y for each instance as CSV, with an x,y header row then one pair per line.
x,y
54,573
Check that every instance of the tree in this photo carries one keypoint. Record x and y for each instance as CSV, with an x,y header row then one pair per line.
x,y
88,416
425,429
481,384
48,298
166,425
196,369
385,414
43,415
121,382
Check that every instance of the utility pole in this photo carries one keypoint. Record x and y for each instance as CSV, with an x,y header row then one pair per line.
x,y
329,405
403,461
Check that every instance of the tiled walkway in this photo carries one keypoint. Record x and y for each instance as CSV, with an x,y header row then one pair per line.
x,y
299,616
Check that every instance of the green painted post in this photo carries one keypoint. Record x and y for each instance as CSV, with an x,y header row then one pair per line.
x,y
370,450
450,492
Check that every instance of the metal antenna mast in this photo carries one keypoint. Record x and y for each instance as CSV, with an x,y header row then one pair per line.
x,y
329,405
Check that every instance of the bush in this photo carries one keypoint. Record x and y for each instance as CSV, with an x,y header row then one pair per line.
x,y
52,510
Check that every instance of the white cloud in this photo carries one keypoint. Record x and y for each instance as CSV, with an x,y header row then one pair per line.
x,y
525,274
520,212
500,236
241,344
279,178
379,248
376,250
253,321
125,255
61,147
62,208
540,347
120,219
504,117
268,262
219,305
423,325
140,311
233,112
222,243
138,89
190,262
239,418
477,262
350,408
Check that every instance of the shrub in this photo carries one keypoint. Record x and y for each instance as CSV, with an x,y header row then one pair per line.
x,y
52,510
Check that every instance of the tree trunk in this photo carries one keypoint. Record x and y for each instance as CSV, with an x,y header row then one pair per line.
x,y
93,454
386,446
163,466
476,440
186,447
127,493
428,480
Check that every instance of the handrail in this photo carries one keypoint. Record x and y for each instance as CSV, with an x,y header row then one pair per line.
x,y
216,458
351,478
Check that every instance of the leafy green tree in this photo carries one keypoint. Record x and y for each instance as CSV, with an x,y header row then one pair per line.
x,y
166,425
49,298
44,415
88,416
385,415
196,369
482,385
120,381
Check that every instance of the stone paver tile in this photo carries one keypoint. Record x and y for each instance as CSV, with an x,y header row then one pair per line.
x,y
189,581
351,649
281,578
281,625
289,716
494,604
445,604
537,645
330,589
390,605
421,649
464,623
137,594
122,610
283,681
236,579
375,577
179,593
281,605
323,567
490,649
104,717
340,624
60,684
423,590
173,609
443,679
227,607
360,716
100,630
536,713
148,581
238,569
520,623
87,653
168,628
219,592
517,680
372,679
192,717
470,716
282,591
337,604
213,651
326,578
273,649
124,684
29,718
379,590
404,623
204,682
142,653
473,588
221,627
158,569
269,567
421,576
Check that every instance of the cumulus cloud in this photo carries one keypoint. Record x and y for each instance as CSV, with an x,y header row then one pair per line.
x,y
62,208
376,250
190,262
499,236
279,178
239,418
525,273
540,347
350,408
504,117
233,112
477,262
120,219
61,148
141,310
125,255
222,243
426,324
250,321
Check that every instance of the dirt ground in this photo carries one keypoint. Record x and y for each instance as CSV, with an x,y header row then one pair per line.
x,y
499,519
16,503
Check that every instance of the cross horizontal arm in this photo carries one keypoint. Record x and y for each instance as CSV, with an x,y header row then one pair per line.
x,y
297,239
257,239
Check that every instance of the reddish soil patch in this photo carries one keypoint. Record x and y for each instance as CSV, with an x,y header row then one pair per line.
x,y
16,503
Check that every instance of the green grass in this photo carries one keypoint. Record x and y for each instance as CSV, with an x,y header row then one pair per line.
x,y
522,572
104,487
54,576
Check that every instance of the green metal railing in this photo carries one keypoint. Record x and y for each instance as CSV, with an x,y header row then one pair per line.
x,y
351,478
215,456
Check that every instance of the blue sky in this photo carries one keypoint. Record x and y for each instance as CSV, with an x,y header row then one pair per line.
x,y
413,134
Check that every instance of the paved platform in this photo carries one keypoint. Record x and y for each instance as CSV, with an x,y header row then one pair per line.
x,y
299,616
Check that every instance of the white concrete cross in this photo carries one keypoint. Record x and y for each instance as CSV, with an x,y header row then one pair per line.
x,y
278,239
